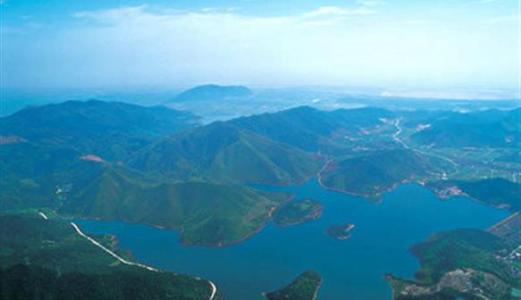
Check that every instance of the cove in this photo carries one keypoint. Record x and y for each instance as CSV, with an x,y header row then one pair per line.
x,y
351,269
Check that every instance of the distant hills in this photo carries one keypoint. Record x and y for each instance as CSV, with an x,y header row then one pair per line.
x,y
379,171
161,167
158,166
491,128
111,130
212,92
493,191
311,129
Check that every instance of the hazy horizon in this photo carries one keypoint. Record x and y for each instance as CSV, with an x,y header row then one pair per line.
x,y
468,45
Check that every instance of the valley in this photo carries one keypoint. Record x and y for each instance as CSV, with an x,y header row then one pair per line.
x,y
224,185
273,257
260,150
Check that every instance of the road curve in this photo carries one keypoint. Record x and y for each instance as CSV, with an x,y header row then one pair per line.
x,y
214,290
126,262
122,260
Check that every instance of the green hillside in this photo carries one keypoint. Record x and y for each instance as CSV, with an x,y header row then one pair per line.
x,y
47,259
308,128
378,171
111,130
460,264
52,171
493,191
204,213
223,153
304,287
33,174
489,128
464,248
297,211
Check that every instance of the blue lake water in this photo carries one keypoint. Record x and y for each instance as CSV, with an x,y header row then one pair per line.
x,y
351,269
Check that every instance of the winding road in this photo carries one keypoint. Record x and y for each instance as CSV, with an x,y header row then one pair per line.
x,y
122,260
396,138
397,133
319,173
126,262
44,216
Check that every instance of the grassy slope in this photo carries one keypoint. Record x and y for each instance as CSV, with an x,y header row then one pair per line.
x,y
58,135
489,128
464,248
223,153
111,130
296,212
495,191
304,287
46,259
377,171
469,249
31,174
206,213
308,128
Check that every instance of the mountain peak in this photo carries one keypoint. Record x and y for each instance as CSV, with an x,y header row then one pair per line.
x,y
210,92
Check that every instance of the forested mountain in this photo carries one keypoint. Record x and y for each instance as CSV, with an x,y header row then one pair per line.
x,y
222,152
488,128
111,130
212,92
51,261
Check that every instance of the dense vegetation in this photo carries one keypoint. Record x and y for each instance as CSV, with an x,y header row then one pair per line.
x,y
304,287
224,153
379,171
21,282
460,264
111,130
463,248
49,169
489,128
311,129
154,165
46,259
120,161
205,213
494,191
296,212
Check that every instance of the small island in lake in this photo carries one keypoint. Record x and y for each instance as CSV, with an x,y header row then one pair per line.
x,y
296,212
340,232
304,287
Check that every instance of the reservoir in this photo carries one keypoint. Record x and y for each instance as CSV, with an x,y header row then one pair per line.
x,y
351,269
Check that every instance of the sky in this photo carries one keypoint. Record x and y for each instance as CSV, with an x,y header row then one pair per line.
x,y
270,43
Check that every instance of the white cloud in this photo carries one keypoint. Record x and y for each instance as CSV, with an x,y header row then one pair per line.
x,y
331,45
335,11
371,3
